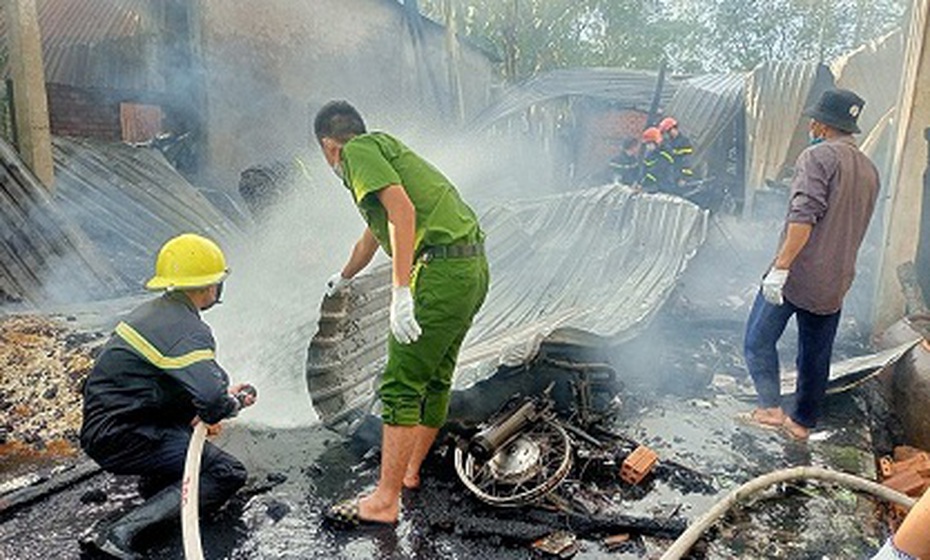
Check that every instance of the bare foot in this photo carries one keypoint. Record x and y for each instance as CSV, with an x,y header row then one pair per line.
x,y
370,508
412,481
795,430
769,416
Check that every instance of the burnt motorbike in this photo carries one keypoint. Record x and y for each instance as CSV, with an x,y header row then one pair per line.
x,y
519,456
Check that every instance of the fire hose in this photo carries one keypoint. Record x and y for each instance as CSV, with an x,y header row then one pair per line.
x,y
190,486
683,544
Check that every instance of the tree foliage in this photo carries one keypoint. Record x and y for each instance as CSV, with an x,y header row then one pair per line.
x,y
531,36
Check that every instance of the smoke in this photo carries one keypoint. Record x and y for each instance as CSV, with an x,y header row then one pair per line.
x,y
271,299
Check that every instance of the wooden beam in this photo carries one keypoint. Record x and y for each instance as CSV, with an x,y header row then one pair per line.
x,y
30,99
905,189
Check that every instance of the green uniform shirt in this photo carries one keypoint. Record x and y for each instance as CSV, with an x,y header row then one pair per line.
x,y
373,161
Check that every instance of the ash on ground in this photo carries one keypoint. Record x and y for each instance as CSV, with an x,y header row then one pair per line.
x,y
43,364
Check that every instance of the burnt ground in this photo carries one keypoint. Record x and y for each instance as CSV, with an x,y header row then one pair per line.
x,y
680,385
296,473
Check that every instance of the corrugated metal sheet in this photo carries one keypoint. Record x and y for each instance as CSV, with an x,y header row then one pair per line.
x,y
874,71
706,106
44,257
130,200
587,268
776,95
627,88
99,43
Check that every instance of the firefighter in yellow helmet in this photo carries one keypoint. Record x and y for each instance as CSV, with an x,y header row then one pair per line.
x,y
155,378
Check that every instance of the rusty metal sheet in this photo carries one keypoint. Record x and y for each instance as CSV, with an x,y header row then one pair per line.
x,y
586,268
100,43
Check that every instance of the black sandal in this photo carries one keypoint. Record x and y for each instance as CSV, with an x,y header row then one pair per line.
x,y
345,515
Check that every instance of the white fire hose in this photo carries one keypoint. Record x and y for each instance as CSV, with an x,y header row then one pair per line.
x,y
190,495
190,486
687,539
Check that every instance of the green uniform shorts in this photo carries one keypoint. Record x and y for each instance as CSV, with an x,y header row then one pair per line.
x,y
417,379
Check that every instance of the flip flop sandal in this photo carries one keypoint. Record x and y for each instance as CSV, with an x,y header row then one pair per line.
x,y
345,515
749,419
787,432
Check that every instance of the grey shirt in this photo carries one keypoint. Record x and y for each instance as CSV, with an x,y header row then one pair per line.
x,y
835,188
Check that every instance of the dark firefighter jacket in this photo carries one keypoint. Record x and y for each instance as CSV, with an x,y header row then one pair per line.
x,y
658,171
625,168
156,371
681,150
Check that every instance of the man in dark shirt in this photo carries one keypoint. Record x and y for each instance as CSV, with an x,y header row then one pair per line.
x,y
832,198
155,378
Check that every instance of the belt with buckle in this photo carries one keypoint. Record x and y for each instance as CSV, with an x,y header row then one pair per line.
x,y
460,251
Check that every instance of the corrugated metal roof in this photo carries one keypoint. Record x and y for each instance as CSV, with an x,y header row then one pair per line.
x,y
44,256
705,106
776,95
130,200
628,88
98,43
587,268
875,72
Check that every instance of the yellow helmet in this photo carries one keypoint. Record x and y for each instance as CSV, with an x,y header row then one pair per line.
x,y
188,261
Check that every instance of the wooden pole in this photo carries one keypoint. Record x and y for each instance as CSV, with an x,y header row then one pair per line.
x,y
30,99
904,192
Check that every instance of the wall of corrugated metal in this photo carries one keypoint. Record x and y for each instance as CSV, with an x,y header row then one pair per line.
x,y
588,268
776,95
44,255
99,43
129,201
875,72
706,106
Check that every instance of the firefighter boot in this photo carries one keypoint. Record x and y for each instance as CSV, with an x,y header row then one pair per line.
x,y
117,540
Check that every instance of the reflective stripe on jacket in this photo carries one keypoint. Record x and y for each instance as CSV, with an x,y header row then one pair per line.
x,y
157,370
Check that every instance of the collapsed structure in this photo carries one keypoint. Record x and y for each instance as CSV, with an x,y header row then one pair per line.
x,y
145,154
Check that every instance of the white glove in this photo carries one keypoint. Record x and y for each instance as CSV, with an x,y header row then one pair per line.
x,y
773,284
335,283
403,323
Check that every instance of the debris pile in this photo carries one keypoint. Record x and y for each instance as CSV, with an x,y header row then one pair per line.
x,y
908,472
43,364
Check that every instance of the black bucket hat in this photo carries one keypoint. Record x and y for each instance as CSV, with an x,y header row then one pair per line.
x,y
839,108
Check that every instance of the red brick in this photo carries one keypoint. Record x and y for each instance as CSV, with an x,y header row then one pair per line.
x,y
638,464
907,482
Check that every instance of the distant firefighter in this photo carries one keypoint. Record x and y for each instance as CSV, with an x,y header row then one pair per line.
x,y
658,166
625,167
679,147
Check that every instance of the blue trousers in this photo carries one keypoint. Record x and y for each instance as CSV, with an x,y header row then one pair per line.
x,y
161,462
815,346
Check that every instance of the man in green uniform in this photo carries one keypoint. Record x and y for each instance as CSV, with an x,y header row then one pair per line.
x,y
440,279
